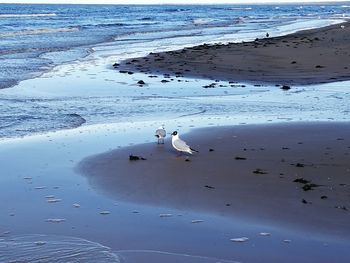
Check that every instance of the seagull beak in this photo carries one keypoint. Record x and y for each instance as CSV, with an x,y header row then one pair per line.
x,y
173,133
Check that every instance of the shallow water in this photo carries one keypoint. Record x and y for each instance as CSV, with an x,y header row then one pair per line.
x,y
57,249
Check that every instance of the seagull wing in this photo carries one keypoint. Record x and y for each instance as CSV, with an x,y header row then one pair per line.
x,y
180,145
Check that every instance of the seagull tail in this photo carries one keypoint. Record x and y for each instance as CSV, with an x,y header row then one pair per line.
x,y
193,150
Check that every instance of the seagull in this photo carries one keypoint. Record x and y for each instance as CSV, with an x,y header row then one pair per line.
x,y
160,134
180,145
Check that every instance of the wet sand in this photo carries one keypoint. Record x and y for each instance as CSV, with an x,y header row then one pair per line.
x,y
307,57
290,176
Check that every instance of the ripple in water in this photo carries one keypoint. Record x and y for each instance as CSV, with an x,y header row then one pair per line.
x,y
54,249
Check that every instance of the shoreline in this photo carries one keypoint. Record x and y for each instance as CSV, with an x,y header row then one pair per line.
x,y
255,163
302,58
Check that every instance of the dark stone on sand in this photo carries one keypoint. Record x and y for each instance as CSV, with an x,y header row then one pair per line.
x,y
141,82
319,66
324,197
308,187
136,158
301,180
293,62
299,165
115,65
285,87
209,187
165,81
123,71
211,150
342,207
212,85
259,171
304,201
240,158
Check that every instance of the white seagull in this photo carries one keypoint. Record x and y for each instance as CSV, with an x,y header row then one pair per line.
x,y
160,134
180,145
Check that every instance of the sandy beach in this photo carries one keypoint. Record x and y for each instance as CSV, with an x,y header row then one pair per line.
x,y
293,176
307,57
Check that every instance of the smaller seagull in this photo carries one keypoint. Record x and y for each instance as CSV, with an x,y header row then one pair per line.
x,y
160,134
180,145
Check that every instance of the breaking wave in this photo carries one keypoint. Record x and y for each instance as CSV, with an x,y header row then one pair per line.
x,y
26,15
54,249
40,31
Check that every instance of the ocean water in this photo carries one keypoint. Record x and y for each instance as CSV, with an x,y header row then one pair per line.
x,y
36,39
33,38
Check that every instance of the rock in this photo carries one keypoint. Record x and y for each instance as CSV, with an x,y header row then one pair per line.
x,y
136,158
105,213
240,158
308,187
141,82
285,87
115,65
301,180
259,171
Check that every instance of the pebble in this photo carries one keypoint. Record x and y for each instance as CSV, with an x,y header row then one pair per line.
x,y
76,205
55,220
165,215
196,221
239,239
40,243
265,234
40,187
105,212
56,200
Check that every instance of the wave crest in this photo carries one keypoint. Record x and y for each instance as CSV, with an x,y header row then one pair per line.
x,y
26,15
39,31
